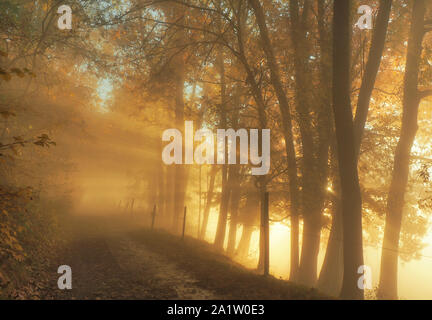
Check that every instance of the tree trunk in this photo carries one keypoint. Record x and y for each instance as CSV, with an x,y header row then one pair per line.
x,y
325,125
287,131
169,197
312,191
223,210
330,278
264,254
331,273
208,202
234,205
161,189
248,217
350,188
371,71
180,170
178,67
395,200
244,243
310,248
294,246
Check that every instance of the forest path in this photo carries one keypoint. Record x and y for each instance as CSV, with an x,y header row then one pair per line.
x,y
107,264
114,257
138,260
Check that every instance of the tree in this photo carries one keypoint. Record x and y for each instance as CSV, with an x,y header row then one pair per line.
x,y
332,271
350,188
226,177
287,125
208,203
395,200
371,70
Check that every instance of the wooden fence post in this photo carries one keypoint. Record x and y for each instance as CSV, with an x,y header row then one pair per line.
x,y
199,207
265,224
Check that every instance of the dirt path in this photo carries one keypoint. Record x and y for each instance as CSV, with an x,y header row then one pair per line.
x,y
107,264
113,258
137,260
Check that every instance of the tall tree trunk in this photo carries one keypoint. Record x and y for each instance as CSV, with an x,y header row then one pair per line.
x,y
325,126
223,210
178,66
244,243
371,71
180,170
287,131
169,198
332,271
223,117
160,206
234,205
264,255
235,175
208,202
312,206
310,247
350,188
248,217
331,275
294,245
395,200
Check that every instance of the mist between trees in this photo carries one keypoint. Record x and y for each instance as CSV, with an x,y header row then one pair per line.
x,y
346,112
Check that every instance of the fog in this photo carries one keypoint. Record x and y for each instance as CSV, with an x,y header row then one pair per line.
x,y
331,173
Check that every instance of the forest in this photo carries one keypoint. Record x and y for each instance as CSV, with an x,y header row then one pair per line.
x,y
251,148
